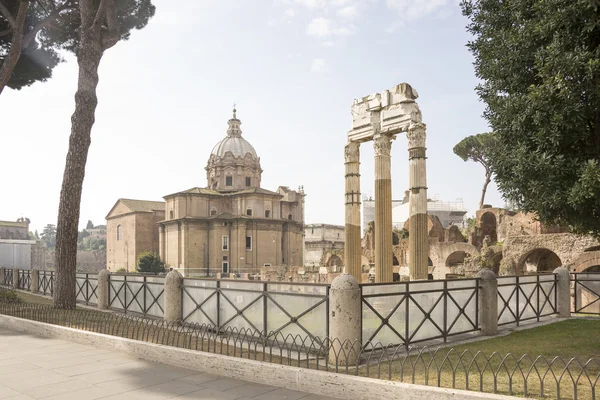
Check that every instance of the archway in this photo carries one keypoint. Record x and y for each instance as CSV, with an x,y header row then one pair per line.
x,y
593,268
334,261
489,226
456,259
395,261
429,262
539,260
495,262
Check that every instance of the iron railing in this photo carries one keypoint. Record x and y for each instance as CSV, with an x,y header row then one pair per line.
x,y
524,298
137,294
24,282
275,307
7,278
46,282
87,286
411,312
553,377
586,293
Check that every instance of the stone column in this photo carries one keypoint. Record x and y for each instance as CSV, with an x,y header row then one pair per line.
x,y
102,290
563,292
352,245
161,243
418,244
344,321
383,209
172,294
15,282
488,302
35,280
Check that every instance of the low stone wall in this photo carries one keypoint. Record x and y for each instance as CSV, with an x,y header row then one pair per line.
x,y
294,378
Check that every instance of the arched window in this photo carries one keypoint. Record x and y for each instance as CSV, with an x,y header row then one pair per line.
x,y
267,213
119,232
171,214
249,212
290,217
213,211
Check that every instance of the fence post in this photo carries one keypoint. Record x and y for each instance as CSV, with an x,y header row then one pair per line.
x,y
563,292
15,282
102,289
344,321
488,302
172,295
35,280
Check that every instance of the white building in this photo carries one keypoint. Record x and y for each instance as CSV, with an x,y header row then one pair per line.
x,y
449,212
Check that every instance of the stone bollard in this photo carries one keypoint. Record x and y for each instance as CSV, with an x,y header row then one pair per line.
x,y
2,275
173,283
35,280
344,321
102,289
488,302
15,282
563,292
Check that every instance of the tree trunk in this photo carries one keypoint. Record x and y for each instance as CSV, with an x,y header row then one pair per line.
x,y
488,179
88,58
16,46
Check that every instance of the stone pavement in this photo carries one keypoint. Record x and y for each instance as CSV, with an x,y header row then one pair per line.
x,y
33,367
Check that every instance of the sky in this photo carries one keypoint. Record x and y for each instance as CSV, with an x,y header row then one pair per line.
x,y
293,69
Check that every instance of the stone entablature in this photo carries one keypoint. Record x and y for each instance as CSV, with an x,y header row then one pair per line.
x,y
15,230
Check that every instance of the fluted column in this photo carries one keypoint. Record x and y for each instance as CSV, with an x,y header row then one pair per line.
x,y
352,246
418,245
383,209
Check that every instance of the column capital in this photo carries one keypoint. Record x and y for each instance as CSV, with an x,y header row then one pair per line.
x,y
382,145
416,135
352,152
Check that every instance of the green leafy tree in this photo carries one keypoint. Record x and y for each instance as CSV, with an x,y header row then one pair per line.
x,y
539,66
90,225
477,148
49,236
31,34
150,262
101,24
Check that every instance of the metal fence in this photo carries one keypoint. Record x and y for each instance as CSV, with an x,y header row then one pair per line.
x,y
24,282
46,282
586,293
7,278
537,377
138,294
524,298
275,307
411,312
86,286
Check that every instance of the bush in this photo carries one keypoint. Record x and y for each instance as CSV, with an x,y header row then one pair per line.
x,y
9,295
150,262
121,270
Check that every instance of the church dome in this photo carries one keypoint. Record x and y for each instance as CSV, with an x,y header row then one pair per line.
x,y
234,142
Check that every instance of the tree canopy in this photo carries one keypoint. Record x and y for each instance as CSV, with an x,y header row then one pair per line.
x,y
477,148
539,65
49,235
150,262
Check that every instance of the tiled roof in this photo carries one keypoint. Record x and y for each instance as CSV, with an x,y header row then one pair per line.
x,y
143,205
198,190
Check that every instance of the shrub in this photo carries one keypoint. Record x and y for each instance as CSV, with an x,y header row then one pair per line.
x,y
150,262
9,295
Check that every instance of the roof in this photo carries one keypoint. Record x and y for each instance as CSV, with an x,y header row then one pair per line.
x,y
207,191
13,223
143,205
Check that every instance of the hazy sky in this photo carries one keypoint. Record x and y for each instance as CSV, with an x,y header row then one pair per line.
x,y
292,66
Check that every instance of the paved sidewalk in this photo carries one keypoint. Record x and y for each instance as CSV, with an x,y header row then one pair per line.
x,y
33,367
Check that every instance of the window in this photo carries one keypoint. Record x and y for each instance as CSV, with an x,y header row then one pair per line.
x,y
213,211
248,242
119,232
267,213
248,181
171,214
225,267
225,242
290,217
229,180
249,212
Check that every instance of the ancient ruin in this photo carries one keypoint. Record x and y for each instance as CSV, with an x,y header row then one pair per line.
x,y
379,118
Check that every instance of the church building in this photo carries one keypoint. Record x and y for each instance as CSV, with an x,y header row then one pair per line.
x,y
232,225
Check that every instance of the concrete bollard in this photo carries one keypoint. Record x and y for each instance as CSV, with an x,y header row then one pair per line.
x,y
15,282
102,289
344,321
488,302
35,280
172,294
563,292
